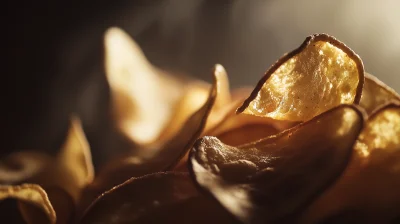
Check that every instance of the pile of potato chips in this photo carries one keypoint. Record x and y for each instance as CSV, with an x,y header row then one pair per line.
x,y
316,141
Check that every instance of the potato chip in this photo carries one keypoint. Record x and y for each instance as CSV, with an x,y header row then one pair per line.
x,y
155,198
371,183
63,177
319,75
197,93
73,163
376,93
156,158
31,194
272,179
140,92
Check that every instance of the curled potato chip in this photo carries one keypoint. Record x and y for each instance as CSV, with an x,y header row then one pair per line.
x,y
272,179
140,92
371,183
158,157
319,75
31,194
155,198
63,177
376,93
73,164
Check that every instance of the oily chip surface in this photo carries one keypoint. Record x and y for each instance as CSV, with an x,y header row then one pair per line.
x,y
271,179
370,185
321,74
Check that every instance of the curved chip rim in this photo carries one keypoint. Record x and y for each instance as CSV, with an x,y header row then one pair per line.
x,y
356,108
380,83
390,104
384,86
307,42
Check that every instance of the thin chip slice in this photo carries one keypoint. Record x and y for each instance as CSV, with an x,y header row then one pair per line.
x,y
319,75
66,175
31,194
155,198
272,179
376,93
371,183
159,157
72,169
143,96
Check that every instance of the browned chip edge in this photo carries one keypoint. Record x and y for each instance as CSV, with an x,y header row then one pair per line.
x,y
389,104
209,105
309,40
357,108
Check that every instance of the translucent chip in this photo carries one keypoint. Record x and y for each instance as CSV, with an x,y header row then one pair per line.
x,y
370,185
376,93
321,74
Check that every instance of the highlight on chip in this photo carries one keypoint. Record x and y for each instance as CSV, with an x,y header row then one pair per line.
x,y
156,198
158,157
140,92
370,185
272,179
376,93
319,75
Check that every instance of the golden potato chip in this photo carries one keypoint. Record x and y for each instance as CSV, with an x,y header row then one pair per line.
x,y
156,158
319,75
155,198
371,183
197,93
72,169
140,92
376,93
63,177
31,194
273,178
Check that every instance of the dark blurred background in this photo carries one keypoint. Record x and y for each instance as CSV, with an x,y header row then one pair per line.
x,y
54,52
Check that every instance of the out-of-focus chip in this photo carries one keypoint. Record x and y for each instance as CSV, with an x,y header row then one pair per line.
x,y
155,198
30,195
321,74
140,92
376,93
271,179
371,183
158,157
62,177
